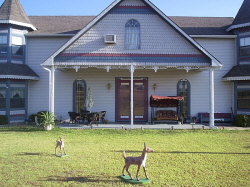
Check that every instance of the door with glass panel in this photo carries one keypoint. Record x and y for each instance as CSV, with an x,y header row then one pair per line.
x,y
123,100
79,96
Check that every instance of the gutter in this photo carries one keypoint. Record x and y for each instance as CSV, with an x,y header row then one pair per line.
x,y
49,35
214,36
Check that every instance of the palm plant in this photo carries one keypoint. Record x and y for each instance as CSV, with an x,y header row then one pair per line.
x,y
47,120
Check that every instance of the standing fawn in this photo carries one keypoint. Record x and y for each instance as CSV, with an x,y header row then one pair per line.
x,y
60,144
139,161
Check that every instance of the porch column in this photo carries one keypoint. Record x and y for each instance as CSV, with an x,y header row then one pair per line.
x,y
132,95
211,91
52,90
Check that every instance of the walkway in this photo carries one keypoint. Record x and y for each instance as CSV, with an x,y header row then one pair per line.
x,y
156,126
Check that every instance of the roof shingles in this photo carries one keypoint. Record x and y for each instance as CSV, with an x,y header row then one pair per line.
x,y
73,24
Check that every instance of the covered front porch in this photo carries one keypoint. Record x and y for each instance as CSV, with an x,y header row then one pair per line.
x,y
109,82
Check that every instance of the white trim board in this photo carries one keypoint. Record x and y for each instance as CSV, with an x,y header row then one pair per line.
x,y
18,23
18,77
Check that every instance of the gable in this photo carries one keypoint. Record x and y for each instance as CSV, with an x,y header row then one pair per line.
x,y
160,41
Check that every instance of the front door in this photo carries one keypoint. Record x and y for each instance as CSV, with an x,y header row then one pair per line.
x,y
140,100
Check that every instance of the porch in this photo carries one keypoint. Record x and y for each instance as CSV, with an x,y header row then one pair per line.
x,y
104,87
136,126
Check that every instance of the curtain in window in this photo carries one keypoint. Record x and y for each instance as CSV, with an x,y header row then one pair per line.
x,y
2,98
17,98
132,38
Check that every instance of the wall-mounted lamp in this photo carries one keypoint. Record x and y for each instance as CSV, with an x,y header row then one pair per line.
x,y
108,86
154,86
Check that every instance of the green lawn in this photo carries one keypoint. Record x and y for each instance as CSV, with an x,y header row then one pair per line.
x,y
180,158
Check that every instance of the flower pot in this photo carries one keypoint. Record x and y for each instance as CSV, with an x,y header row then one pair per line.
x,y
48,127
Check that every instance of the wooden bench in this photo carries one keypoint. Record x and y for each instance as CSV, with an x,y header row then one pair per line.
x,y
218,117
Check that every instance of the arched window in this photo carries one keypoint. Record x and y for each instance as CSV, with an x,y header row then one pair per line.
x,y
79,97
183,89
132,34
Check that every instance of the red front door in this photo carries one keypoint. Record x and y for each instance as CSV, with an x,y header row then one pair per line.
x,y
140,100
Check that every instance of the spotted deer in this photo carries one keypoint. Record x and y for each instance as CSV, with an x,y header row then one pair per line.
x,y
139,161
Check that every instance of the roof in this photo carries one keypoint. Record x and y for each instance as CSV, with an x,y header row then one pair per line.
x,y
243,15
239,72
242,18
12,10
17,71
73,24
59,24
214,62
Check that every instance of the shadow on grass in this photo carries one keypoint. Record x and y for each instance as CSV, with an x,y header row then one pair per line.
x,y
88,179
35,154
21,128
184,152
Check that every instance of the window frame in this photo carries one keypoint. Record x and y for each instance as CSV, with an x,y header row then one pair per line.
x,y
128,24
24,97
5,103
16,45
74,94
240,87
188,97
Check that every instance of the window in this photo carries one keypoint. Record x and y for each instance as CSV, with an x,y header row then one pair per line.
x,y
3,44
17,98
2,98
132,34
17,50
183,90
245,46
17,45
3,49
245,41
3,39
79,95
243,99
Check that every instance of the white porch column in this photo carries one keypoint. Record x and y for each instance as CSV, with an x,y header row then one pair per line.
x,y
132,95
52,90
211,92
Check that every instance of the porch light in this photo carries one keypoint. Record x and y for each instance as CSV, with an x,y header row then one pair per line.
x,y
108,86
154,86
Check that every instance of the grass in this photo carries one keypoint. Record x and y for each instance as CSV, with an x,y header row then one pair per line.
x,y
180,158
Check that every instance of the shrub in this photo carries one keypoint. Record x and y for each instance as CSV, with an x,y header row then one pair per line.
x,y
32,118
241,120
3,120
40,117
47,119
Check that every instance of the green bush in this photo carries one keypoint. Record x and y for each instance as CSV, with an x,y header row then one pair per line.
x,y
241,120
3,120
40,116
32,118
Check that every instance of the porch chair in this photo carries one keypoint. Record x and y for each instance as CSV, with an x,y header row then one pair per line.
x,y
102,116
92,118
74,117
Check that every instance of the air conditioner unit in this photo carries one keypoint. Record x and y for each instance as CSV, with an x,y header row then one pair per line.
x,y
110,39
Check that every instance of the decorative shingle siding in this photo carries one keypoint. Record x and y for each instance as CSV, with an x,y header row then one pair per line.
x,y
157,37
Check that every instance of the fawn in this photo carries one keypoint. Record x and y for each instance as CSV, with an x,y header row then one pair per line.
x,y
139,161
60,144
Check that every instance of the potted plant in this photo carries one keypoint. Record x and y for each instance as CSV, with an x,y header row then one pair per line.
x,y
47,120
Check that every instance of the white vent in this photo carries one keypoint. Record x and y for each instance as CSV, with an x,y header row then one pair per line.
x,y
110,39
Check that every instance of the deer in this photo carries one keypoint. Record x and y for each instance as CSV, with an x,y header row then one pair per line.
x,y
139,161
60,144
